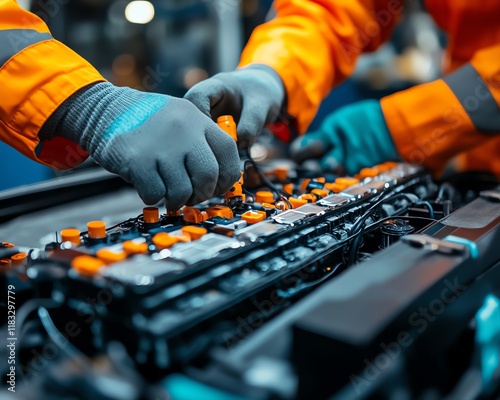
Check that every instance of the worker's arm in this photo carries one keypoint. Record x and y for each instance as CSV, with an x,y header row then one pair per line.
x,y
37,74
311,45
55,109
428,124
433,122
314,45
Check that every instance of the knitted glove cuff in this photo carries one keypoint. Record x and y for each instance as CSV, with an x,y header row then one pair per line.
x,y
99,112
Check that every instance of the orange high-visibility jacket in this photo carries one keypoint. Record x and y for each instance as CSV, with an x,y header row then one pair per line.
x,y
37,73
314,45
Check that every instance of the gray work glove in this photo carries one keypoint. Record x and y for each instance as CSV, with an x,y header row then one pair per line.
x,y
254,96
163,145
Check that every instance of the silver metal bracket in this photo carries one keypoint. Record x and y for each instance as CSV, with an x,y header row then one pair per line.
x,y
436,245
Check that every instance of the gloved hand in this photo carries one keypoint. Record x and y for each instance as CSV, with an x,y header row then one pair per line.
x,y
352,138
164,146
253,95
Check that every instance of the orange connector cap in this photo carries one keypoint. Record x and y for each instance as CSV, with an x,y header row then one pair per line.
x,y
264,196
281,172
96,229
237,189
131,247
288,188
296,203
194,231
310,198
368,173
87,265
194,215
71,235
151,215
227,124
252,217
335,187
163,240
219,211
19,259
346,181
109,256
320,192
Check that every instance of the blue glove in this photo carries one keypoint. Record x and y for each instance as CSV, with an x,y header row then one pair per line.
x,y
352,138
254,96
164,146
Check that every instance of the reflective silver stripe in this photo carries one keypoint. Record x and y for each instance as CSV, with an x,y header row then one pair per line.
x,y
476,98
12,41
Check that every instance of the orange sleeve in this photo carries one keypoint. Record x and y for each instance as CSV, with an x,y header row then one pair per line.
x,y
314,44
433,122
37,73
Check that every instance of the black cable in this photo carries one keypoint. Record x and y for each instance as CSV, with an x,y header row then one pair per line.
x,y
303,286
360,222
449,189
280,194
58,338
428,206
285,199
406,217
134,220
356,231
354,235
249,194
264,178
23,314
359,226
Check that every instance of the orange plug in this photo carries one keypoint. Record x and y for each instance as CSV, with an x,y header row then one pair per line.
x,y
71,235
96,229
235,196
151,215
252,217
227,124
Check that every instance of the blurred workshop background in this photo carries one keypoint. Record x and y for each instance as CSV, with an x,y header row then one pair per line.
x,y
167,46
